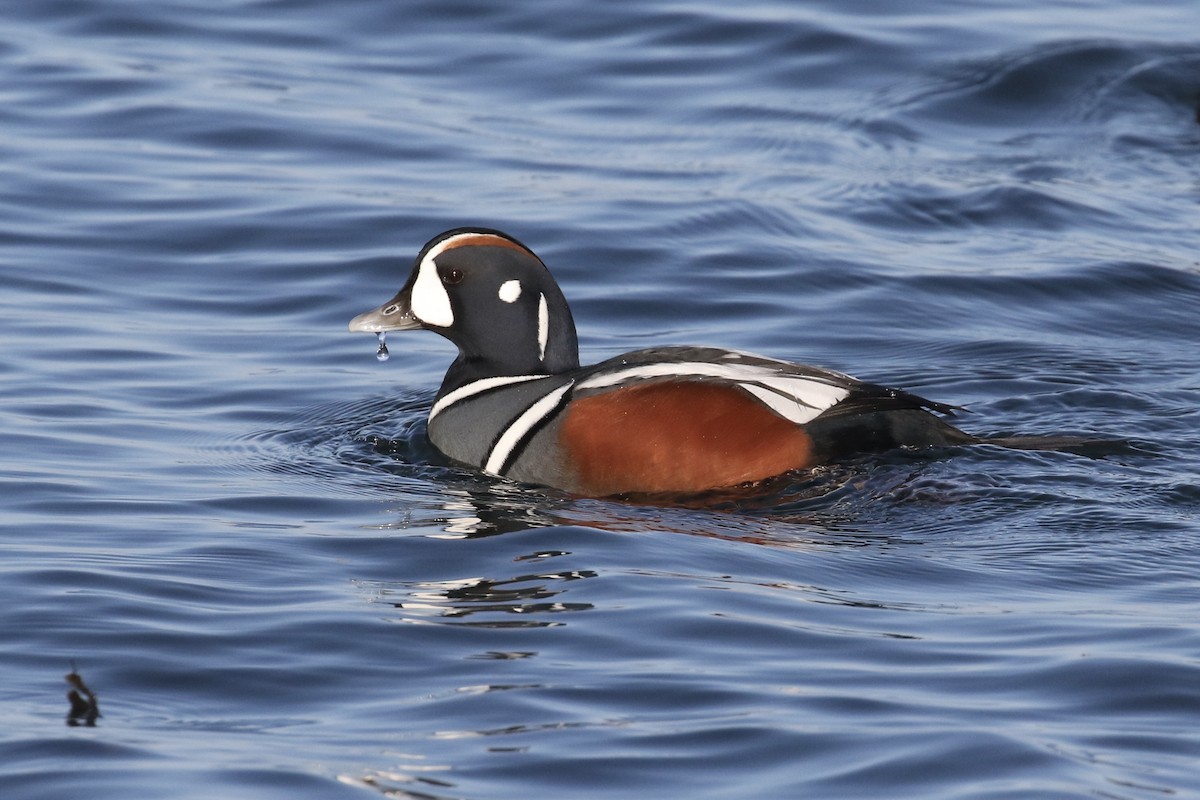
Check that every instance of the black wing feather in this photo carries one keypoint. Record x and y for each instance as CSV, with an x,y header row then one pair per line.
x,y
866,398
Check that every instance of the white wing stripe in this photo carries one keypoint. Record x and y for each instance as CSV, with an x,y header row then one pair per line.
x,y
812,393
785,406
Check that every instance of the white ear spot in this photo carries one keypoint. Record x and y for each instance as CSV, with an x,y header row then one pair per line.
x,y
543,326
430,303
510,291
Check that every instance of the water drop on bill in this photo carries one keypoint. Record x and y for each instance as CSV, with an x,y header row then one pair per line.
x,y
382,353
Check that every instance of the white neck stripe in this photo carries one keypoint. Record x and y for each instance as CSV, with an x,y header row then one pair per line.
x,y
543,326
476,387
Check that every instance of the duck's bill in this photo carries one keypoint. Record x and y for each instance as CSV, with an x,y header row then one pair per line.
x,y
394,315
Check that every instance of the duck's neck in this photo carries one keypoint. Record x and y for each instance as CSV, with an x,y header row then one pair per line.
x,y
562,355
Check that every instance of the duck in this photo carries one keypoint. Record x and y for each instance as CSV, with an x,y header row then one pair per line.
x,y
671,420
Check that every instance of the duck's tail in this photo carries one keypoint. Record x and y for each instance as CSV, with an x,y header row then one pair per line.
x,y
1080,445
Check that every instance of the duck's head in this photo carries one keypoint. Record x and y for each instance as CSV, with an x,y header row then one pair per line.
x,y
491,296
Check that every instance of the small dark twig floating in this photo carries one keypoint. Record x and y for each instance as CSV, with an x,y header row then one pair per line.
x,y
85,708
677,420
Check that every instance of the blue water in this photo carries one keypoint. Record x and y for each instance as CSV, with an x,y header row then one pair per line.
x,y
995,204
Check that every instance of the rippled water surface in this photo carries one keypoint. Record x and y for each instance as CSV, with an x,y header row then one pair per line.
x,y
222,510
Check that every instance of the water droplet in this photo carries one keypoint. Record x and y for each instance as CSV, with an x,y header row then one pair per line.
x,y
382,353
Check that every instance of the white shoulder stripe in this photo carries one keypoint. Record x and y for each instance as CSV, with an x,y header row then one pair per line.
x,y
521,426
475,387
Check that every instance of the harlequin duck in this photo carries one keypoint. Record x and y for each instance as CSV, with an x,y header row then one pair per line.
x,y
680,420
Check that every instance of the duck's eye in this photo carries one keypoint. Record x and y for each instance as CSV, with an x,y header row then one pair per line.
x,y
452,276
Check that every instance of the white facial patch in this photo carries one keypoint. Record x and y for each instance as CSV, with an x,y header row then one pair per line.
x,y
510,291
430,303
543,326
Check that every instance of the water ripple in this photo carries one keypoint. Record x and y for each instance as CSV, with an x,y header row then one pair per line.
x,y
226,515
